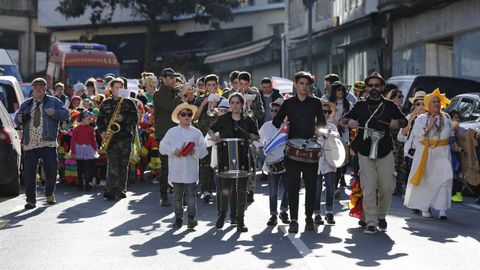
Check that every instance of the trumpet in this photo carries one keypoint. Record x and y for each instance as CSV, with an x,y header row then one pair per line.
x,y
212,101
192,90
248,102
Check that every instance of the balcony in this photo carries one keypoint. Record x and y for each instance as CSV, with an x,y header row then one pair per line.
x,y
405,5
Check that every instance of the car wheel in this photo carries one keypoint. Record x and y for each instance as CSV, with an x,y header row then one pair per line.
x,y
13,188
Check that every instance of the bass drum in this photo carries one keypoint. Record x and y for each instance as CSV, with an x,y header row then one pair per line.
x,y
335,151
233,158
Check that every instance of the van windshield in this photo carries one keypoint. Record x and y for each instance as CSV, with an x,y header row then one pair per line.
x,y
81,74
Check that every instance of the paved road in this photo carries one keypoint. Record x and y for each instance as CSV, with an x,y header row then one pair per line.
x,y
85,232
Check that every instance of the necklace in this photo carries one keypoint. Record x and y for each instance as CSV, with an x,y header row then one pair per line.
x,y
372,110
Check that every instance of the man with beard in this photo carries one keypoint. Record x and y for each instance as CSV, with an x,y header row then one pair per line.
x,y
375,113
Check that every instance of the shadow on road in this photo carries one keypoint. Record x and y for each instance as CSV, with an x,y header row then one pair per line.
x,y
13,219
370,250
95,206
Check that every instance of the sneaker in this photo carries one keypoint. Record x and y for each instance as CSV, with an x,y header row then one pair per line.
x,y
458,198
293,226
50,200
29,206
382,224
318,220
192,223
272,221
329,218
362,223
207,197
416,211
109,196
284,218
220,220
426,214
370,230
178,223
309,224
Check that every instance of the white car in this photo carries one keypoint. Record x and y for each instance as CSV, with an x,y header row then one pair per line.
x,y
10,155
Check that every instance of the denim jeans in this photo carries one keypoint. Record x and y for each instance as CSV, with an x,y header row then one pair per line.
x,y
50,165
189,190
329,192
273,181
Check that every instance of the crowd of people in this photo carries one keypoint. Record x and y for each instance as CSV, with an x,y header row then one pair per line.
x,y
201,140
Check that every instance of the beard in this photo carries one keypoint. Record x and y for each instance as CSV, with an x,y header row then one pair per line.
x,y
375,94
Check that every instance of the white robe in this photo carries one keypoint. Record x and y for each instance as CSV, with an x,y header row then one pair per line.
x,y
435,188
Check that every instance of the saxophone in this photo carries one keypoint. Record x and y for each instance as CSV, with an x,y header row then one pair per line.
x,y
113,127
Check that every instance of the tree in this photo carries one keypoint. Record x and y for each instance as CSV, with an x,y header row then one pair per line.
x,y
204,12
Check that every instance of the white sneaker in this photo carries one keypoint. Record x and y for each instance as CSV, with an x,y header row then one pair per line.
x,y
426,214
102,183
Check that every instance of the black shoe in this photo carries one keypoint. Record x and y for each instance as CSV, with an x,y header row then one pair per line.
x,y
329,218
220,220
443,217
362,223
309,224
264,177
284,218
272,221
370,230
293,226
88,187
382,224
109,196
164,200
192,223
29,206
416,211
342,182
241,225
233,220
318,220
121,195
178,223
207,198
250,197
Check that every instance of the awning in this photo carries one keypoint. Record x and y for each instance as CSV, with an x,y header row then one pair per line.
x,y
238,52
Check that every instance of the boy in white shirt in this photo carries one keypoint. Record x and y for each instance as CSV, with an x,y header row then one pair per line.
x,y
325,171
267,131
185,146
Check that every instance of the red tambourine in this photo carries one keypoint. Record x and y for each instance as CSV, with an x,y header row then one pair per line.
x,y
187,149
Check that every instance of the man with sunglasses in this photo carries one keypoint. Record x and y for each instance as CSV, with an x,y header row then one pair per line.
x,y
305,115
379,114
164,101
184,161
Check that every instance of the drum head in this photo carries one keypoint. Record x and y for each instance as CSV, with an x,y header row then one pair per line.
x,y
335,151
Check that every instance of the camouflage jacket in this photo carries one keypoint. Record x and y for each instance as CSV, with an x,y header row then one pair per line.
x,y
257,104
128,111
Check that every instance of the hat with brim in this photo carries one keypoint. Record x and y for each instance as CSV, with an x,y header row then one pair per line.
x,y
167,72
375,75
330,104
418,95
39,81
277,102
181,107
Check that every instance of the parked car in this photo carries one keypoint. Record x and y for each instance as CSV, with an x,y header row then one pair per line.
x,y
11,94
468,105
451,86
10,155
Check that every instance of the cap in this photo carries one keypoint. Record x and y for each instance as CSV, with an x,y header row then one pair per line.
x,y
39,81
78,87
278,102
224,104
167,72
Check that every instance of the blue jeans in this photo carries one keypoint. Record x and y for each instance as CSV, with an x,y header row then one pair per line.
x,y
329,192
273,181
50,165
190,195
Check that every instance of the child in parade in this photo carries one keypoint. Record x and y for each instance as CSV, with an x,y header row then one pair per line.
x,y
185,146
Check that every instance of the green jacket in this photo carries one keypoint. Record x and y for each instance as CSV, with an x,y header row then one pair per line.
x,y
164,101
257,104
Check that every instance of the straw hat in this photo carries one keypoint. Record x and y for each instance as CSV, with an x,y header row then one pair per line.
x,y
418,95
181,107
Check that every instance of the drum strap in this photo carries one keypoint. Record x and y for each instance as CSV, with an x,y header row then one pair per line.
x,y
365,134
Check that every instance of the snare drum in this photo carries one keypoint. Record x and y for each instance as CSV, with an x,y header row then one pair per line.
x,y
304,150
233,158
274,161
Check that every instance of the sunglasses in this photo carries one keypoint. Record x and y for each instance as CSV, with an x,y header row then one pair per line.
x,y
374,85
327,111
189,114
419,104
274,111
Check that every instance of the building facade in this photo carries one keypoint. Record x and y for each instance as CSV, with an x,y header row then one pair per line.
x,y
21,35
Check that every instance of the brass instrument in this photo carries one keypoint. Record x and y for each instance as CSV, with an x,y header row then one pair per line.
x,y
195,91
113,128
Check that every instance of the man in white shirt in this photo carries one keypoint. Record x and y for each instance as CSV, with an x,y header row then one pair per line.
x,y
274,167
183,161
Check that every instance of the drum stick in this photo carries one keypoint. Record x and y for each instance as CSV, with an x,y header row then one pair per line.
x,y
383,122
